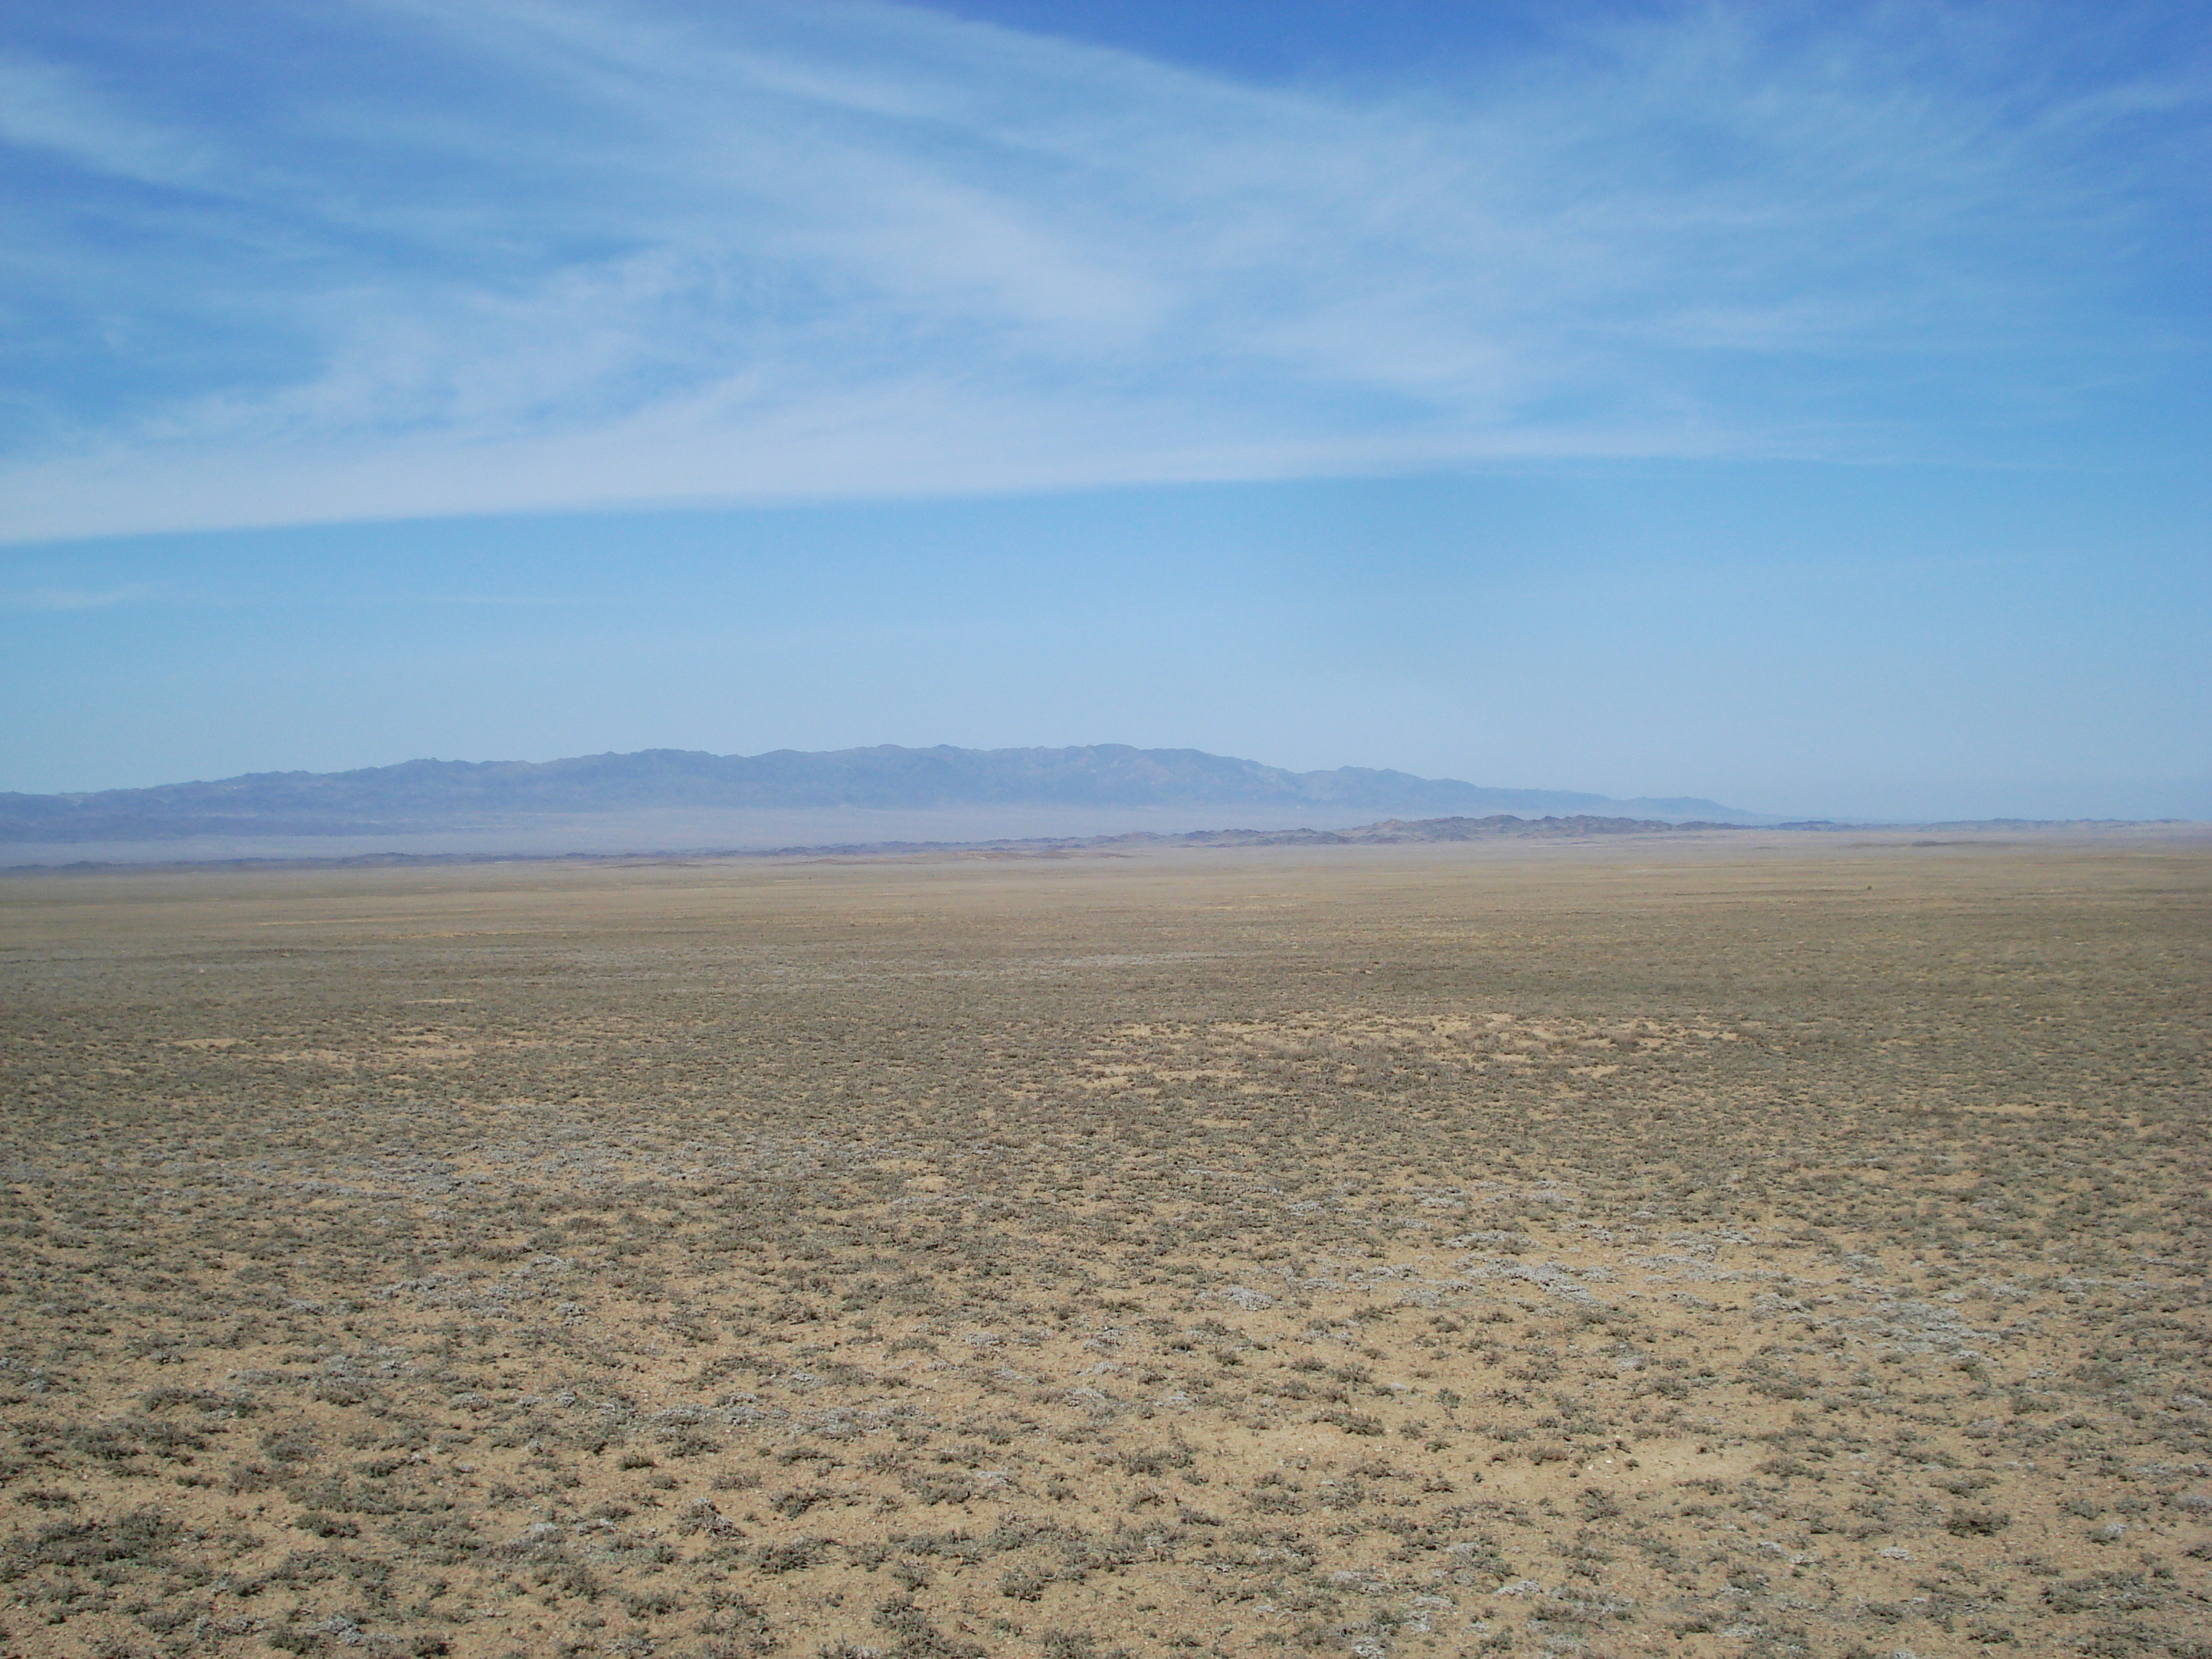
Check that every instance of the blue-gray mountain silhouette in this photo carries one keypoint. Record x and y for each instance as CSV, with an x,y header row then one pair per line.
x,y
428,794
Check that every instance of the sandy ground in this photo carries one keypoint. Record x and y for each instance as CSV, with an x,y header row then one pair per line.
x,y
1717,1245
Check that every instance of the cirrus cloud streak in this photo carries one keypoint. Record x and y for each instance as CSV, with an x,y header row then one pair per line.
x,y
499,255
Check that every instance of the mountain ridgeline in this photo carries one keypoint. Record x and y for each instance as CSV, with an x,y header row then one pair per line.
x,y
423,794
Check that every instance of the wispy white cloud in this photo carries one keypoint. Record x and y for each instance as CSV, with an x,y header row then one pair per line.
x,y
842,247
51,107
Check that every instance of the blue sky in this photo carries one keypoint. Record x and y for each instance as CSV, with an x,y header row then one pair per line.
x,y
1800,405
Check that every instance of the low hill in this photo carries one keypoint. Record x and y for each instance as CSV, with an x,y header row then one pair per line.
x,y
1399,832
430,794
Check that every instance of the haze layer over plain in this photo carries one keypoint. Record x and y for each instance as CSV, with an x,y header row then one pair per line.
x,y
1707,1248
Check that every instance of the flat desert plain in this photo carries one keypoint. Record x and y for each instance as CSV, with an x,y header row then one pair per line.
x,y
1720,1244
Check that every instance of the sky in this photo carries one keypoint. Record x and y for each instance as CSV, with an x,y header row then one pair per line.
x,y
1799,405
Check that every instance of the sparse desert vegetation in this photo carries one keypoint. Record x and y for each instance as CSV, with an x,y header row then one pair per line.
x,y
1717,1245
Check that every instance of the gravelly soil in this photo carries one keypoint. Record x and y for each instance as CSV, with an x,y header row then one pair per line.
x,y
1706,1246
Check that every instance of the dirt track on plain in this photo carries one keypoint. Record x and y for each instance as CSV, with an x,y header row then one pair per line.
x,y
1717,1245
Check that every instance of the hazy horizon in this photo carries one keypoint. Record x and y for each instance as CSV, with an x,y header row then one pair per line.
x,y
1800,408
967,820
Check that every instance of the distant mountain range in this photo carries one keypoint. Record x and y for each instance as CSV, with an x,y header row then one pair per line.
x,y
419,795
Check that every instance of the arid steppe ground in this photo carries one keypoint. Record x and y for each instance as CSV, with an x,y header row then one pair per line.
x,y
1742,1244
